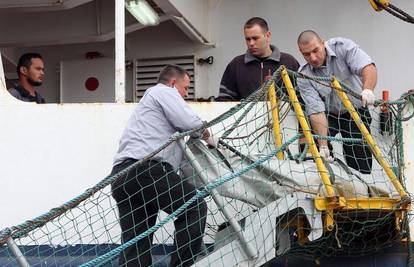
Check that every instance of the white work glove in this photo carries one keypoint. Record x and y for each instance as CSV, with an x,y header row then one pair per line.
x,y
325,153
368,97
211,141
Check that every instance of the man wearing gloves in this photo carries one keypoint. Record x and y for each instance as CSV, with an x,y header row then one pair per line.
x,y
343,59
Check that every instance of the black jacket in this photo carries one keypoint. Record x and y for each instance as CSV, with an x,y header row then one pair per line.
x,y
246,73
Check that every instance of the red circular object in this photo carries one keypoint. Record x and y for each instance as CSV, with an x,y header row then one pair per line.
x,y
91,84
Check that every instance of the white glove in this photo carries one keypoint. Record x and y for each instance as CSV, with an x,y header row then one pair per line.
x,y
211,141
368,97
325,153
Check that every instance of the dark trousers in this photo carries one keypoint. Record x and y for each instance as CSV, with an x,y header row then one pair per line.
x,y
357,156
140,194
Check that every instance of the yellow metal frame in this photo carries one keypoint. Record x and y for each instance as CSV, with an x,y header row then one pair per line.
x,y
308,134
275,116
368,138
362,203
331,198
379,203
365,203
331,202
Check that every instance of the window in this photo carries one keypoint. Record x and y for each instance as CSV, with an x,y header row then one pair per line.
x,y
147,70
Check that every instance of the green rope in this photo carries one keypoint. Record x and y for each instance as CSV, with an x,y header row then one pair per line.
x,y
339,139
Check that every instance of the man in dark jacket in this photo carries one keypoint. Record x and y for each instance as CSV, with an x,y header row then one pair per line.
x,y
30,70
247,72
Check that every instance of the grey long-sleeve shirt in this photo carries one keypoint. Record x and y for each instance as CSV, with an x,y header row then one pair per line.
x,y
160,113
344,60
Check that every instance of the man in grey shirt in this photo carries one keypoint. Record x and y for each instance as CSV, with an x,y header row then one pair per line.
x,y
343,59
154,184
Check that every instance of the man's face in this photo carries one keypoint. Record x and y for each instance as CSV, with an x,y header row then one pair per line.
x,y
257,40
314,52
35,73
182,85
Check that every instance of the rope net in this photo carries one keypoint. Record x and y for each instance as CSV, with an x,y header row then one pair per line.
x,y
191,215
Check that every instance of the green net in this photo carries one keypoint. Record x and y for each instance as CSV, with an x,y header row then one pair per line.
x,y
238,202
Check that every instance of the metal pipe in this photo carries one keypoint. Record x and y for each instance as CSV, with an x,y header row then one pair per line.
x,y
2,78
275,116
21,260
307,132
119,51
98,17
247,248
191,31
368,137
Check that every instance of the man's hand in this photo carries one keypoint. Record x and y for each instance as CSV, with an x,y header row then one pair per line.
x,y
368,97
205,135
325,153
211,141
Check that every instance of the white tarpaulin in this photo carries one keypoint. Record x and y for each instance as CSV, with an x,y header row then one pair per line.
x,y
277,178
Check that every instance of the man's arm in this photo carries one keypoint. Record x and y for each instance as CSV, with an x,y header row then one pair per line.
x,y
320,126
369,77
177,111
315,107
181,115
369,80
228,86
360,63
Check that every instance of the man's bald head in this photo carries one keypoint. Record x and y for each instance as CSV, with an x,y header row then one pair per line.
x,y
306,36
312,48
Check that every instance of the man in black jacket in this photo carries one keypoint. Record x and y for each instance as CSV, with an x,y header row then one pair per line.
x,y
247,72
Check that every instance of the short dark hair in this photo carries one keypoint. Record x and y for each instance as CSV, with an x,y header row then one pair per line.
x,y
171,71
26,61
305,36
256,21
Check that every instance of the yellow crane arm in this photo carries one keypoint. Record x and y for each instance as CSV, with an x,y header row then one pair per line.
x,y
378,5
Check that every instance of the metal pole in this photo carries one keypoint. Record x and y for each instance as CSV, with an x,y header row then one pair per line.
x,y
307,132
21,260
247,248
331,198
2,79
276,122
119,51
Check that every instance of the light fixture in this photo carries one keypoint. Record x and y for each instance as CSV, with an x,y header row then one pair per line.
x,y
142,11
